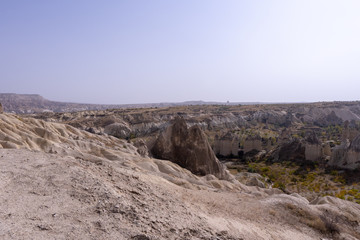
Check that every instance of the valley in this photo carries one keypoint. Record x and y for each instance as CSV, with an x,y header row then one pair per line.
x,y
285,170
300,148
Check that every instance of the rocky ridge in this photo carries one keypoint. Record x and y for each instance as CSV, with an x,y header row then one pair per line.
x,y
34,103
234,131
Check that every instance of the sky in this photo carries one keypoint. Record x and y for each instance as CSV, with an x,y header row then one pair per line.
x,y
146,51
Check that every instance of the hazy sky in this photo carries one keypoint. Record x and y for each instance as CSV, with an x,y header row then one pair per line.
x,y
155,51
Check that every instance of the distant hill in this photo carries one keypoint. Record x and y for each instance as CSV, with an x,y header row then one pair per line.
x,y
34,103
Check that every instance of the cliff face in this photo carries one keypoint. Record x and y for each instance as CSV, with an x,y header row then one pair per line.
x,y
313,148
308,149
227,145
189,148
346,155
252,143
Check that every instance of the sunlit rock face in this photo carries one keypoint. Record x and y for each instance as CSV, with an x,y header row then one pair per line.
x,y
189,148
313,148
227,145
252,143
119,130
346,155
308,149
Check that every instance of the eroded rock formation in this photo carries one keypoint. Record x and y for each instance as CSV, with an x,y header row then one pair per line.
x,y
253,143
189,148
346,155
310,149
1,108
313,148
226,145
330,119
119,130
141,148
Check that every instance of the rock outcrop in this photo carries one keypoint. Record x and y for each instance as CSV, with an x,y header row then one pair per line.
x,y
346,155
1,108
253,143
280,118
189,148
119,130
313,148
226,145
251,179
330,119
141,148
310,149
292,151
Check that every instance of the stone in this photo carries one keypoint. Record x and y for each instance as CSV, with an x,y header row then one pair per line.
x,y
1,108
254,181
189,148
140,237
251,179
142,149
119,130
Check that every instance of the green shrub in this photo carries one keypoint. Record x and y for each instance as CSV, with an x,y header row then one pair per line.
x,y
341,194
353,192
280,185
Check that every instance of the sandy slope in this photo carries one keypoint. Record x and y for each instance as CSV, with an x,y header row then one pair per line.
x,y
70,184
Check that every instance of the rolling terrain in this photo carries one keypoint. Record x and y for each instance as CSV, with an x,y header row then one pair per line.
x,y
310,149
154,173
61,182
34,103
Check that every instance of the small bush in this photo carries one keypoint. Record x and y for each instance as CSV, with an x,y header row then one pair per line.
x,y
341,194
280,185
353,192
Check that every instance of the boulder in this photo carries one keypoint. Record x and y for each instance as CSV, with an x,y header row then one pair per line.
x,y
119,130
251,179
142,149
189,148
1,108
